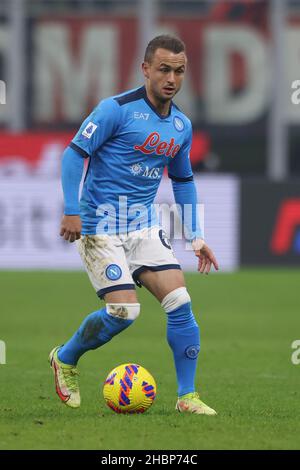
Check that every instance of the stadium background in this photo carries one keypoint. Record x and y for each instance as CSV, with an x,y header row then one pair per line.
x,y
57,60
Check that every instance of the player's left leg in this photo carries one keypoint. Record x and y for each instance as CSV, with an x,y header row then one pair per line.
x,y
182,334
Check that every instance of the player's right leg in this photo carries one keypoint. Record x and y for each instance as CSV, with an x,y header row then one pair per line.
x,y
107,268
66,380
97,329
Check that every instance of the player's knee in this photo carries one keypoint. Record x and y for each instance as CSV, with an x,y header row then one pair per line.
x,y
126,311
175,299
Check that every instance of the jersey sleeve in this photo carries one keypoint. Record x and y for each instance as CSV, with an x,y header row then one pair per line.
x,y
97,128
71,173
179,168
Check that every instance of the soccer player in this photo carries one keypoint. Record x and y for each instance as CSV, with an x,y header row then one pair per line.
x,y
129,139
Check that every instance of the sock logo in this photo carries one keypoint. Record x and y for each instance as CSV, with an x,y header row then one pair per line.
x,y
192,351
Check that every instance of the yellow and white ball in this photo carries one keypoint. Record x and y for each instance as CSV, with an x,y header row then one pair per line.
x,y
129,388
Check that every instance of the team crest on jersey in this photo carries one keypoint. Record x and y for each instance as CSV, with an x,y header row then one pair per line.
x,y
178,123
89,130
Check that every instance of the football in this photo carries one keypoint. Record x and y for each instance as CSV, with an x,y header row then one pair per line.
x,y
129,388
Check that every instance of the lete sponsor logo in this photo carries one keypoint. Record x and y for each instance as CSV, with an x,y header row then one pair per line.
x,y
154,144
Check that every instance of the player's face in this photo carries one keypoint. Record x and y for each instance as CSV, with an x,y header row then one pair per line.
x,y
165,73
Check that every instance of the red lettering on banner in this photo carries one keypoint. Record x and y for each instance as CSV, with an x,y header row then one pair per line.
x,y
287,220
157,146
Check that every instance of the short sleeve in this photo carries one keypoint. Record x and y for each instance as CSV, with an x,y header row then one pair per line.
x,y
179,168
97,128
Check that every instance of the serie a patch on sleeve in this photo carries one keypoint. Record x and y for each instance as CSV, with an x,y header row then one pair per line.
x,y
89,130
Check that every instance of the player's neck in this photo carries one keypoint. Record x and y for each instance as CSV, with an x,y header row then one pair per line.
x,y
162,107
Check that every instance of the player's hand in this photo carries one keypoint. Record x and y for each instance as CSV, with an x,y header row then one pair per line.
x,y
205,255
70,227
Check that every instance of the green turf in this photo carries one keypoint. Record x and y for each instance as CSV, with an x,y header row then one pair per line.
x,y
248,321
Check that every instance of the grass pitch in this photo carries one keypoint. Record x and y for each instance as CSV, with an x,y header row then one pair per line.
x,y
248,321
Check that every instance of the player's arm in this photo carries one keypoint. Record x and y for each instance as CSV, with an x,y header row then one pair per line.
x,y
71,173
97,128
185,194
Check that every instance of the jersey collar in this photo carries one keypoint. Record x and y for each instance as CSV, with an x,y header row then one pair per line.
x,y
153,107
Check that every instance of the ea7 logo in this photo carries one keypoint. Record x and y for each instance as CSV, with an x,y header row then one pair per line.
x,y
138,115
288,220
2,352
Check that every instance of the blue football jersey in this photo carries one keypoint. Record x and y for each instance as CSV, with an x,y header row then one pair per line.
x,y
129,144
